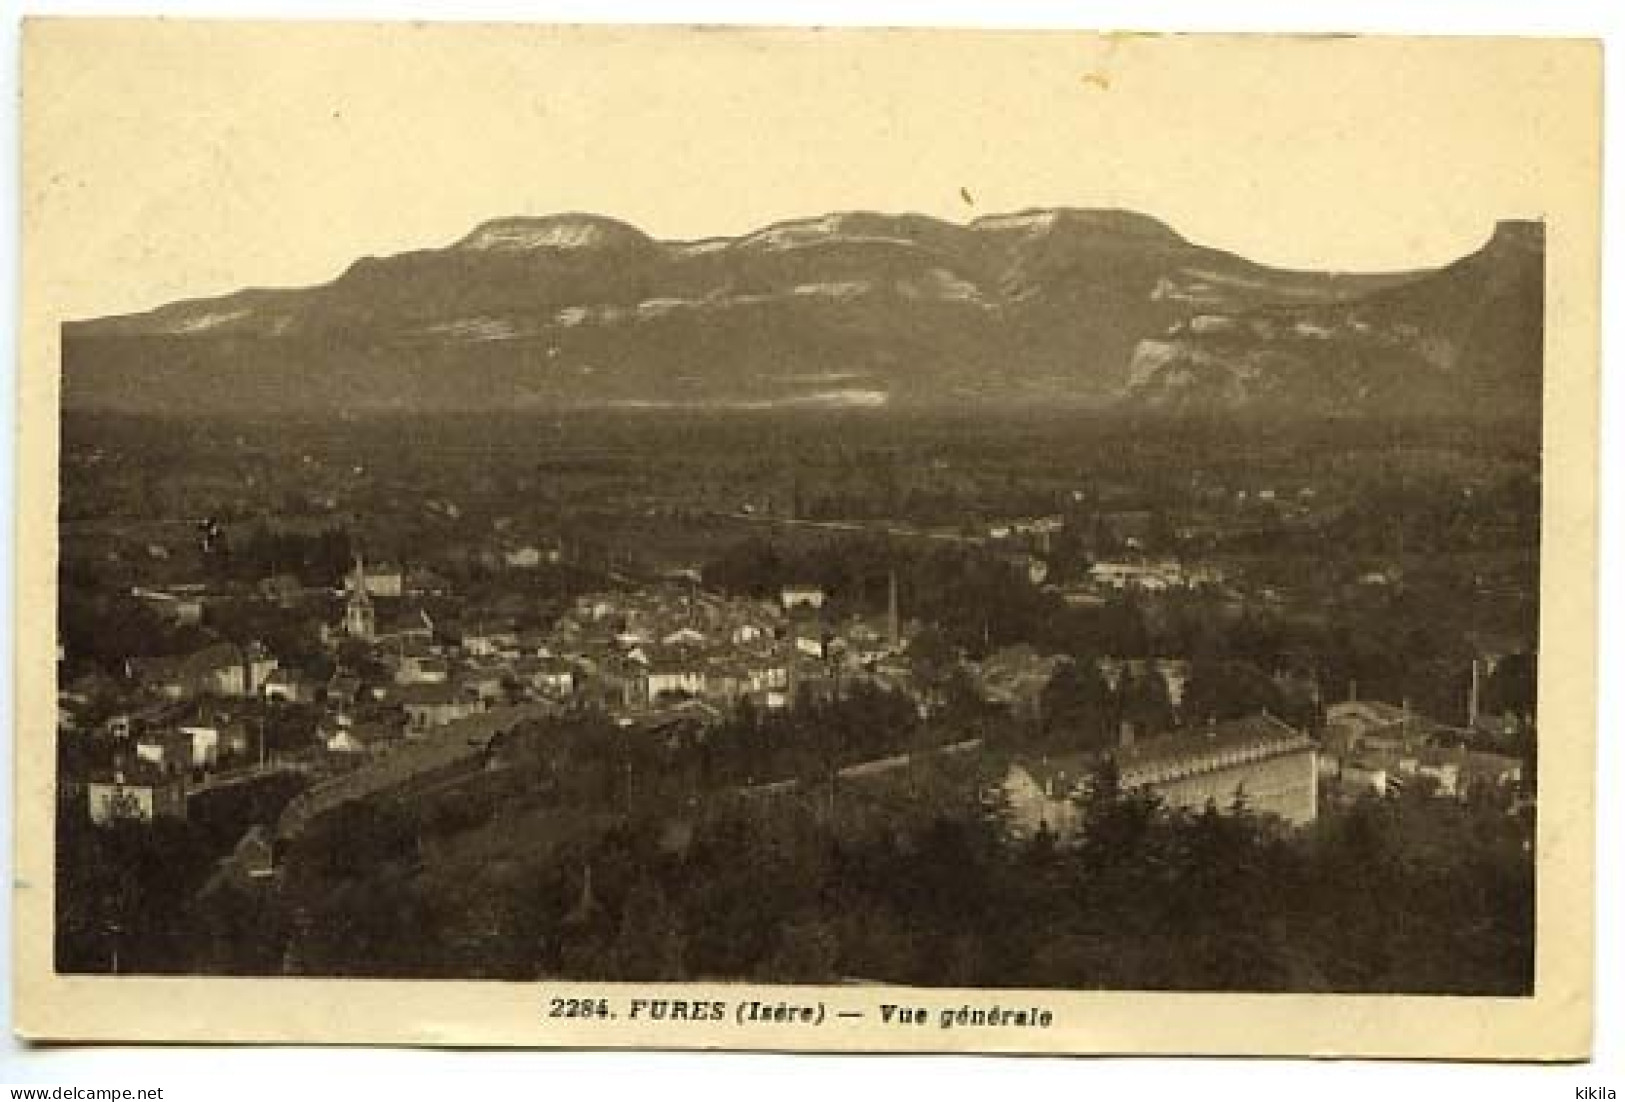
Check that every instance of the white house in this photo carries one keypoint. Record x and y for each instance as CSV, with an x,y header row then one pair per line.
x,y
676,677
384,580
1138,575
141,796
344,741
802,596
288,686
422,669
205,744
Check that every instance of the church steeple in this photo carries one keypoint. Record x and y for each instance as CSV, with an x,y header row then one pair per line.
x,y
360,621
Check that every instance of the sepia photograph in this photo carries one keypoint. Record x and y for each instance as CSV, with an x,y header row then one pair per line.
x,y
940,521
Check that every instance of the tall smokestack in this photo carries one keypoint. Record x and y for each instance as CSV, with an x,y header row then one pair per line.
x,y
1472,697
894,630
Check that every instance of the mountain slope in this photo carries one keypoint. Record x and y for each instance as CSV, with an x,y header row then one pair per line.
x,y
1467,338
849,308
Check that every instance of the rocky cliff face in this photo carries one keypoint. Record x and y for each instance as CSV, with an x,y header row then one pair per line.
x,y
1051,306
1464,339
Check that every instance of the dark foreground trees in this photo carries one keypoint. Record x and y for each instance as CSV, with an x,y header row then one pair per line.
x,y
914,878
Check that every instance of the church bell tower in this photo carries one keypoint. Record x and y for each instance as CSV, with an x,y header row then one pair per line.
x,y
360,622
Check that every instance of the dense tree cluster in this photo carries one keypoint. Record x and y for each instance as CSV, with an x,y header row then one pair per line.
x,y
916,879
595,852
130,895
101,628
862,724
316,559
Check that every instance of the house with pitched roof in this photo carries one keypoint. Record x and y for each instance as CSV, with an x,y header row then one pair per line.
x,y
554,677
435,705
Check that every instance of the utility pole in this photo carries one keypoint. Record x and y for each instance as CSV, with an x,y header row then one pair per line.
x,y
115,931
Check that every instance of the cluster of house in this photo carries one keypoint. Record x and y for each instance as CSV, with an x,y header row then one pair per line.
x,y
1153,575
1366,748
156,753
1379,748
640,651
644,655
160,748
1026,542
639,654
1036,533
631,652
650,654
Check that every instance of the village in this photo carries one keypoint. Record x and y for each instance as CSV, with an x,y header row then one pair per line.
x,y
405,697
385,667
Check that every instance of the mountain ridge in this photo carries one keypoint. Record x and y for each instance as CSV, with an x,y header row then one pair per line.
x,y
1042,305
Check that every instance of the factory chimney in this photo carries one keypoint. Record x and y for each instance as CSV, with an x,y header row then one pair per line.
x,y
894,631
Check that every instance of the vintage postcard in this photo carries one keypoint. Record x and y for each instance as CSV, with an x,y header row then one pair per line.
x,y
797,539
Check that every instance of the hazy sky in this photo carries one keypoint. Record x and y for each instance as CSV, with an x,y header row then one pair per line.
x,y
192,159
